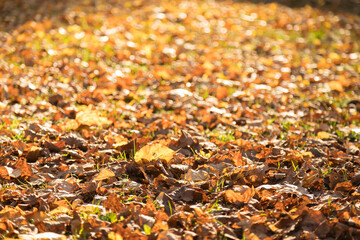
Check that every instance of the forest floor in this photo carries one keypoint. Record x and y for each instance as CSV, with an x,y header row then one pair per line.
x,y
178,120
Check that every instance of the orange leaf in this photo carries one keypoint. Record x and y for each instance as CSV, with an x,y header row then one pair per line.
x,y
105,174
113,202
4,174
221,93
237,159
241,194
24,167
344,187
336,86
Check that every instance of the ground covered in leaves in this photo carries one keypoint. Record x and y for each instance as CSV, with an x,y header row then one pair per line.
x,y
178,120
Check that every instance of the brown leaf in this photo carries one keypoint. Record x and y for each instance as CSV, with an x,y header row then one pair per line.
x,y
55,146
237,159
33,153
75,141
149,209
113,202
167,202
239,195
6,226
14,173
344,187
25,168
76,223
196,175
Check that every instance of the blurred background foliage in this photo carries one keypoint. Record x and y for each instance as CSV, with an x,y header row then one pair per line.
x,y
17,12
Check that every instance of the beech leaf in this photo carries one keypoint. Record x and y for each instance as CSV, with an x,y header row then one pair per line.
x,y
153,152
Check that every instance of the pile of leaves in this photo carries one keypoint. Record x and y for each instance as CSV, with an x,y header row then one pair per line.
x,y
179,120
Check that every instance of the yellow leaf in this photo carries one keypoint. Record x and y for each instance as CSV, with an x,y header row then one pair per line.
x,y
307,154
11,212
105,174
64,80
334,56
40,34
107,91
208,65
316,41
148,51
68,51
153,152
323,135
114,236
335,85
35,148
118,140
91,118
21,38
71,124
164,74
60,210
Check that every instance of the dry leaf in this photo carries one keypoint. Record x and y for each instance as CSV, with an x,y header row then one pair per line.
x,y
60,210
114,236
153,152
241,194
105,174
221,93
323,135
91,118
113,202
4,173
237,159
335,85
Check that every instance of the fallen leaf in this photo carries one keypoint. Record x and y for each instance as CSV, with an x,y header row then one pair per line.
x,y
91,118
26,170
113,202
114,236
237,159
150,153
323,135
344,187
240,194
196,175
336,86
4,173
221,92
105,174
15,173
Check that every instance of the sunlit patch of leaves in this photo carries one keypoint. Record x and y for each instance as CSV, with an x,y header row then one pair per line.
x,y
220,120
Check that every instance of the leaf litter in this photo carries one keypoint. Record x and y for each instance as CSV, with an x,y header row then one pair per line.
x,y
179,120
